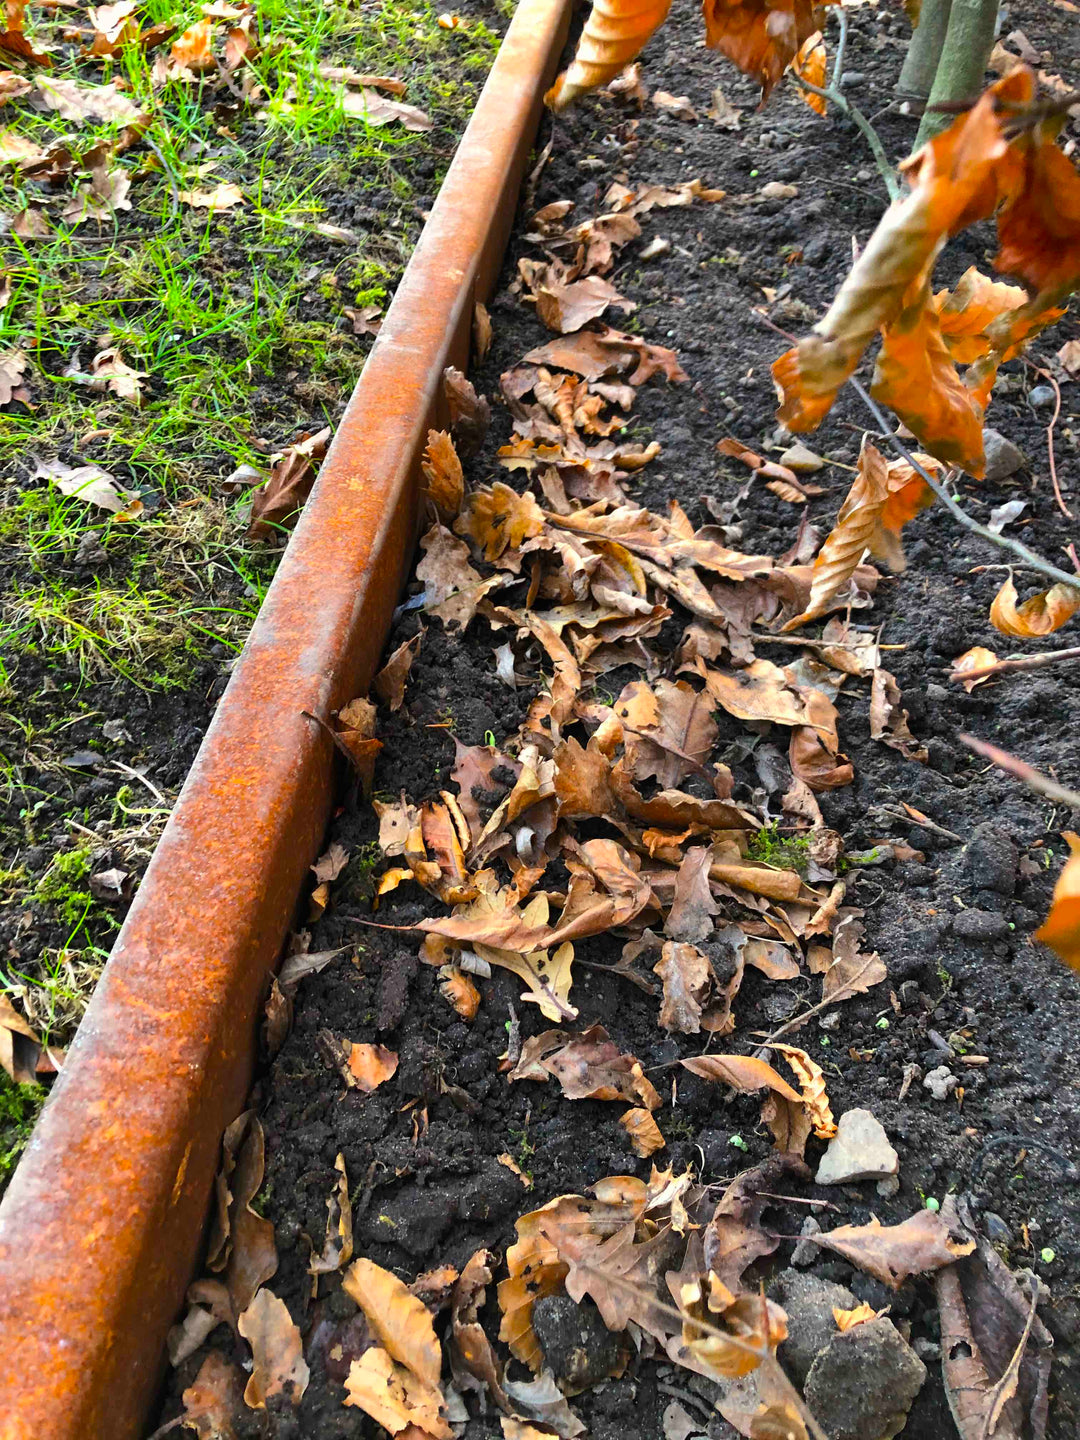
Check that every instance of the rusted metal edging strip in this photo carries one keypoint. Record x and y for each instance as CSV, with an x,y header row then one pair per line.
x,y
101,1227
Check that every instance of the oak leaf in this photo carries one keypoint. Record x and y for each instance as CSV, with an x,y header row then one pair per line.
x,y
497,519
614,35
443,474
277,1352
687,978
534,1270
1041,614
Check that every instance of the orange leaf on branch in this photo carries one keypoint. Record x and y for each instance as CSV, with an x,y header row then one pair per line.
x,y
615,34
1042,614
762,37
810,65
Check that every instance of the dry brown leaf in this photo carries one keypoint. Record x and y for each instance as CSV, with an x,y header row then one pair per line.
x,y
375,109
497,519
1042,614
977,658
371,1066
401,1322
744,1073
444,475
761,37
893,1253
848,1319
92,485
812,1082
108,372
592,354
566,306
394,1396
460,991
389,683
614,35
337,1248
810,64
534,1270
471,1356
222,197
645,1135
277,1352
778,1421
590,1066
851,971
213,1402
687,978
889,719
291,477
690,918
19,1044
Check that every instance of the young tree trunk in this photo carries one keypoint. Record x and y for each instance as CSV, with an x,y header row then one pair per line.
x,y
962,67
924,52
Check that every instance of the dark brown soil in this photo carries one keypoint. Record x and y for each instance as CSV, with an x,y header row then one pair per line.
x,y
434,1196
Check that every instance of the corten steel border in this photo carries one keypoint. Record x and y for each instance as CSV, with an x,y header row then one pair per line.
x,y
102,1226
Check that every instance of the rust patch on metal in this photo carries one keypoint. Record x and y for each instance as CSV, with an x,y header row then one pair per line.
x,y
102,1225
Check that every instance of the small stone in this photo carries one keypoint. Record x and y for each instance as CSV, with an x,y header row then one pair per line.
x,y
1003,458
1042,397
809,1302
852,78
859,1150
982,926
801,460
114,730
888,1187
862,1386
806,1252
997,1232
992,860
776,190
940,1082
576,1343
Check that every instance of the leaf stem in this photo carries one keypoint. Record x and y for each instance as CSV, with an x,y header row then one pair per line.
x,y
1003,542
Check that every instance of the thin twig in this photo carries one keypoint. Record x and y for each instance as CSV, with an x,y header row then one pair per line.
x,y
1018,662
1050,439
1025,773
1003,542
841,48
927,824
873,139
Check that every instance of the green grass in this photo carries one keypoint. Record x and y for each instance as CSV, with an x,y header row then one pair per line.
x,y
20,1106
787,852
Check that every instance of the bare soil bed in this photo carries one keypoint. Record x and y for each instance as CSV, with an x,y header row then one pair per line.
x,y
425,1153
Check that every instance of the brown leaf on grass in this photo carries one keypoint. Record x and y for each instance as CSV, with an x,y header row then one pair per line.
x,y
108,372
371,1066
1061,928
291,477
223,196
193,49
389,683
687,978
395,1397
444,476
977,658
13,86
75,102
376,109
30,223
614,35
1042,614
645,1135
277,1352
400,1321
337,1248
213,1401
889,719
92,485
893,1253
691,915
12,365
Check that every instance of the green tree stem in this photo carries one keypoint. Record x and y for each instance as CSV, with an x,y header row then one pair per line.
x,y
924,52
962,67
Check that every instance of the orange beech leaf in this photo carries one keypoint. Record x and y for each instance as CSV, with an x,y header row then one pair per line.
x,y
741,1072
394,1396
761,37
1039,224
974,659
645,1135
848,1319
916,377
400,1322
460,991
371,1066
965,312
1042,614
810,64
1061,928
953,184
615,34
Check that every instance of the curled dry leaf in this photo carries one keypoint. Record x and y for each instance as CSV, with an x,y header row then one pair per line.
x,y
389,683
977,658
277,1352
471,1356
222,197
893,1253
810,64
645,1135
744,1073
761,37
213,1402
534,1270
291,477
460,991
371,1066
445,480
687,977
614,35
1042,614
889,719
848,1319
778,1421
108,371
338,1245
588,1065
811,1079
395,1396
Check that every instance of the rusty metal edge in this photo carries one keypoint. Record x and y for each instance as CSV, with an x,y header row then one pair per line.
x,y
101,1228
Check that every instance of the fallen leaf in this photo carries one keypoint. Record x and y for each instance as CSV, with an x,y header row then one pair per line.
x,y
367,321
19,1044
687,978
977,658
645,1135
811,1079
443,474
377,110
851,971
460,991
108,371
847,1319
395,1396
75,102
590,1066
371,1066
690,918
213,1401
331,863
889,719
222,197
92,485
337,1248
566,307
291,477
810,64
277,1352
534,1270
744,1073
470,413
497,518
192,51
893,1253
1061,928
389,683
677,105
1041,614
723,112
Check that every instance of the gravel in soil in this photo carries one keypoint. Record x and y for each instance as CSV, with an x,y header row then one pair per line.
x,y
953,928
117,636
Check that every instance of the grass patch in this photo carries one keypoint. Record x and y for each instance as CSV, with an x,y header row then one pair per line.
x,y
20,1106
787,852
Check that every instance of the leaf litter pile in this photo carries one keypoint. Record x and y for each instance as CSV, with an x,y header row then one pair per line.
x,y
603,955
